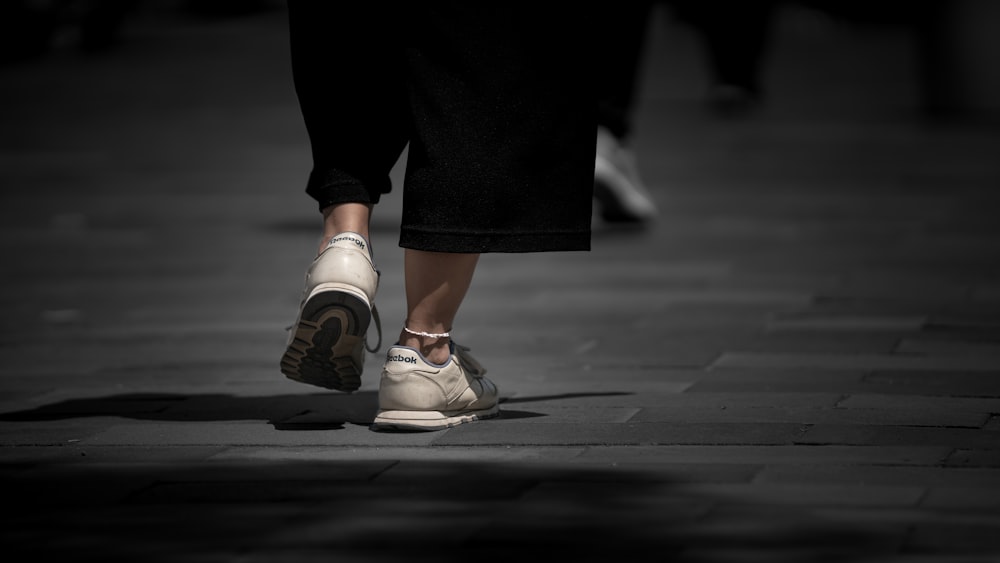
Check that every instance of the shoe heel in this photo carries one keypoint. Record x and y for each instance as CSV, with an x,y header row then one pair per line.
x,y
327,346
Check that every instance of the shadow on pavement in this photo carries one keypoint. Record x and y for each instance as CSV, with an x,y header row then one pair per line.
x,y
379,510
320,411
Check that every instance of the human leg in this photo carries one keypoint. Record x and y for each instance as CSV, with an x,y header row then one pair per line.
x,y
508,168
436,285
352,100
735,35
353,105
618,63
428,381
618,187
345,218
503,152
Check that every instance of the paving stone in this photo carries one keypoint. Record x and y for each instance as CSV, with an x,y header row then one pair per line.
x,y
535,455
795,380
951,537
51,433
934,382
576,414
920,402
595,386
784,532
531,433
856,361
978,326
72,453
985,478
819,343
810,415
932,347
898,287
691,407
248,491
828,323
986,292
993,425
962,499
974,458
854,434
661,297
815,495
248,433
46,489
765,455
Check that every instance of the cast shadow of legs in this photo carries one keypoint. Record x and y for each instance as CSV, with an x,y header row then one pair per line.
x,y
320,411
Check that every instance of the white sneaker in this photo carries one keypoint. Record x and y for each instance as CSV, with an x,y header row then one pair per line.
x,y
417,395
617,186
326,345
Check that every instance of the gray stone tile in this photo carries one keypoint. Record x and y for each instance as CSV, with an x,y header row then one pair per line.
x,y
765,455
658,297
938,347
833,323
963,499
817,495
562,414
872,435
515,432
52,433
974,539
608,392
811,415
856,361
993,425
73,453
974,458
981,326
735,532
986,292
983,478
797,380
726,406
421,452
245,434
983,405
934,382
819,343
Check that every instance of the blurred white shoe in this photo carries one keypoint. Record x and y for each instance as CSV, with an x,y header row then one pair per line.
x,y
619,190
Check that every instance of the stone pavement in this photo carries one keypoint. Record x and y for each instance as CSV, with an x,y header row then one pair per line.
x,y
799,361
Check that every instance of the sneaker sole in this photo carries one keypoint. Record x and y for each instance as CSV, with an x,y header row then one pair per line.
x,y
327,349
429,420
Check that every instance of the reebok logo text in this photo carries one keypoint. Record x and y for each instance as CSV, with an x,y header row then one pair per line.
x,y
355,240
404,359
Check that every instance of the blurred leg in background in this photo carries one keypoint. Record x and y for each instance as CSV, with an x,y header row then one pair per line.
x,y
621,195
735,36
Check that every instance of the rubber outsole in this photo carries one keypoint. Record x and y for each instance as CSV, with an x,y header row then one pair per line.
x,y
327,347
424,421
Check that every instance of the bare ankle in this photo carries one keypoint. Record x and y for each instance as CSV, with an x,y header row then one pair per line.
x,y
434,348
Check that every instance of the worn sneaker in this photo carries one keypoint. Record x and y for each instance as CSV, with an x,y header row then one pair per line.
x,y
326,345
417,395
619,190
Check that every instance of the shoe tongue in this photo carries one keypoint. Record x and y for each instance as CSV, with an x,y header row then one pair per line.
x,y
349,240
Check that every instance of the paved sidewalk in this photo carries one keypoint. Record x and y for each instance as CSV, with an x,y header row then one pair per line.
x,y
799,361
